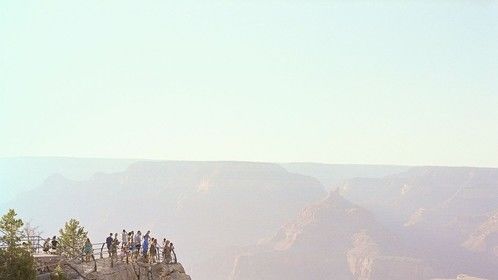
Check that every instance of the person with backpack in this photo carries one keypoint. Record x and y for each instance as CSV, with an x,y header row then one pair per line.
x,y
87,249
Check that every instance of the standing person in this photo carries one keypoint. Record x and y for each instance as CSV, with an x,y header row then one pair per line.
x,y
145,247
130,237
167,252
138,243
125,250
46,246
146,244
124,238
116,238
114,249
172,248
131,243
153,250
147,236
164,246
55,243
108,242
87,249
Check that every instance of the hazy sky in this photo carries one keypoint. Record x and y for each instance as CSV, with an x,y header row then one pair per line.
x,y
402,82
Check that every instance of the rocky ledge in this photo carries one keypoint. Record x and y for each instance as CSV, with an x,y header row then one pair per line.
x,y
121,271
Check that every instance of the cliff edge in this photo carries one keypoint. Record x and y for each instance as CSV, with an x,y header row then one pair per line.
x,y
120,271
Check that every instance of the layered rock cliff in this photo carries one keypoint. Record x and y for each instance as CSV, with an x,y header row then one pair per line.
x,y
333,239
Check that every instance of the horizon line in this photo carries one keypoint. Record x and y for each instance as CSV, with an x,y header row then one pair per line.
x,y
247,161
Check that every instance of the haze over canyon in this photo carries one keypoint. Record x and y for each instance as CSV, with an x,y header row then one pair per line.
x,y
253,220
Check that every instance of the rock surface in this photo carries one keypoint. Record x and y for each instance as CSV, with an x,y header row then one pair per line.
x,y
485,237
333,239
447,215
121,271
141,271
461,277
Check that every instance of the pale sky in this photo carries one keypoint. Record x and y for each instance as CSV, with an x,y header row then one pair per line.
x,y
394,82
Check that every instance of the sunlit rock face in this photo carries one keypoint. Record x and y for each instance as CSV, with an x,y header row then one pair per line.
x,y
333,239
484,238
446,214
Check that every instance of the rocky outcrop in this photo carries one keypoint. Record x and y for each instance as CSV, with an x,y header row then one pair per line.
x,y
160,271
119,271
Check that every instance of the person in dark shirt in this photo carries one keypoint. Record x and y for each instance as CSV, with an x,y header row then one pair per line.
x,y
108,242
54,243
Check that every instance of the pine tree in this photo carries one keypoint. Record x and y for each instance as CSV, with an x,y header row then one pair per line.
x,y
16,262
72,239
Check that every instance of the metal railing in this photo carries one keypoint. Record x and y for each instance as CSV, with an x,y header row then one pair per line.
x,y
35,243
103,252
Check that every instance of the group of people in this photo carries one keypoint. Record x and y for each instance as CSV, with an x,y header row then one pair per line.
x,y
133,245
50,245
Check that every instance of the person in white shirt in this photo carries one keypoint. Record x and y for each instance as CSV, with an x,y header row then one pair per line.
x,y
124,238
138,242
